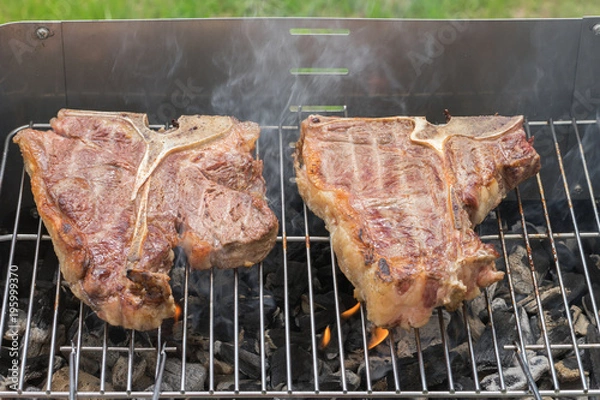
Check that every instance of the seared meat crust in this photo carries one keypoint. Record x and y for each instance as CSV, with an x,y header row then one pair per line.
x,y
400,198
117,197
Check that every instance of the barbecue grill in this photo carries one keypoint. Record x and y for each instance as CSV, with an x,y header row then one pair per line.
x,y
260,332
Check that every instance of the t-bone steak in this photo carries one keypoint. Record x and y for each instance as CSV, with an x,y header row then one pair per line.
x,y
117,197
400,198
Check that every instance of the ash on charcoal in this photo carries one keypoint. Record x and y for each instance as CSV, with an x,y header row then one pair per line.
x,y
514,378
520,270
567,370
87,382
195,375
120,371
380,385
38,339
222,367
555,318
580,321
550,297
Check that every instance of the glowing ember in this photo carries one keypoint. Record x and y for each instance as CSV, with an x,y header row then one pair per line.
x,y
326,338
178,312
351,311
377,336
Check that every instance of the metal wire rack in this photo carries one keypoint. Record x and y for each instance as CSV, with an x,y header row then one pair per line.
x,y
562,145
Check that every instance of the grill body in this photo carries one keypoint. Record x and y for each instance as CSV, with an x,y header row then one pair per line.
x,y
276,72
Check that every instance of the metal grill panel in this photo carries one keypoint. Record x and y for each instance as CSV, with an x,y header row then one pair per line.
x,y
563,148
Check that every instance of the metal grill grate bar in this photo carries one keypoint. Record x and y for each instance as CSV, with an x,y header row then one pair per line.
x,y
443,333
472,351
421,362
25,347
261,302
363,326
130,362
53,333
338,321
211,330
286,306
104,355
394,362
236,330
311,301
263,355
325,239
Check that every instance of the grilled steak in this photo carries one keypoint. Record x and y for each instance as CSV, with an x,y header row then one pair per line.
x,y
400,198
117,197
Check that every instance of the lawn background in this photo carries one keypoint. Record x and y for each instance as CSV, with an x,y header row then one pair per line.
x,y
18,10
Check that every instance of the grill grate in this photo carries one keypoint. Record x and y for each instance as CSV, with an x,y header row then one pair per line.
x,y
566,210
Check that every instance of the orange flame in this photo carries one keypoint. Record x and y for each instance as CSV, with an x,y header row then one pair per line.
x,y
351,311
178,312
377,336
326,338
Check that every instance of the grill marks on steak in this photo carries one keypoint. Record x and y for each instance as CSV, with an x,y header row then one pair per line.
x,y
400,198
117,197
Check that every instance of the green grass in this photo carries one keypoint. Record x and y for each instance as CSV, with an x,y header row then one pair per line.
x,y
17,10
